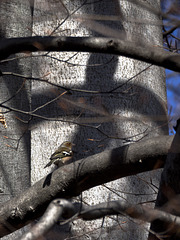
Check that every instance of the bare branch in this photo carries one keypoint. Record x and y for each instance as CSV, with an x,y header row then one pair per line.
x,y
56,209
149,54
170,30
72,179
61,208
76,89
123,207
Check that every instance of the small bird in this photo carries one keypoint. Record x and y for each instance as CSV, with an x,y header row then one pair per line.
x,y
62,154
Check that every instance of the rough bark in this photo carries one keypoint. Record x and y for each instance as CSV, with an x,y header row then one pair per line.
x,y
72,179
15,21
143,95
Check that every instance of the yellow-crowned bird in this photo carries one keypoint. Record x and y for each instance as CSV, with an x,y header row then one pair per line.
x,y
62,154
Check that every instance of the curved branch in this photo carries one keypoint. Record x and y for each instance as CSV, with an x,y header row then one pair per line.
x,y
66,209
72,179
141,212
56,209
150,54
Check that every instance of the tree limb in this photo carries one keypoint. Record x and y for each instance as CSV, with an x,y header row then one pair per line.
x,y
70,211
56,209
150,54
141,212
72,179
169,192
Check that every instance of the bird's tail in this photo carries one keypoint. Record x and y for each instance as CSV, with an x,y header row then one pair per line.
x,y
49,164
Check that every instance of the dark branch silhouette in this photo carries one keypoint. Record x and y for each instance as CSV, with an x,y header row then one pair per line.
x,y
68,211
150,54
56,209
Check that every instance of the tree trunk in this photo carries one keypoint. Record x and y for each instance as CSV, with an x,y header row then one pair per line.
x,y
16,20
139,105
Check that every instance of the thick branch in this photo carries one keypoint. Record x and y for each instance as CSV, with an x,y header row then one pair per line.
x,y
81,175
66,209
141,212
169,191
154,55
56,209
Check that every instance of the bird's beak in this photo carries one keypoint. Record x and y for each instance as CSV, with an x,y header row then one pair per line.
x,y
73,144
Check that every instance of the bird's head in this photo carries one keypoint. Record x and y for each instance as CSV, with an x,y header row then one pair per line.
x,y
67,144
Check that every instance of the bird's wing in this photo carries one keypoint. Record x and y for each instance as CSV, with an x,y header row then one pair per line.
x,y
65,153
61,154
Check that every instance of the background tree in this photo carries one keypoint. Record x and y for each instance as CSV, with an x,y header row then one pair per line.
x,y
15,92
